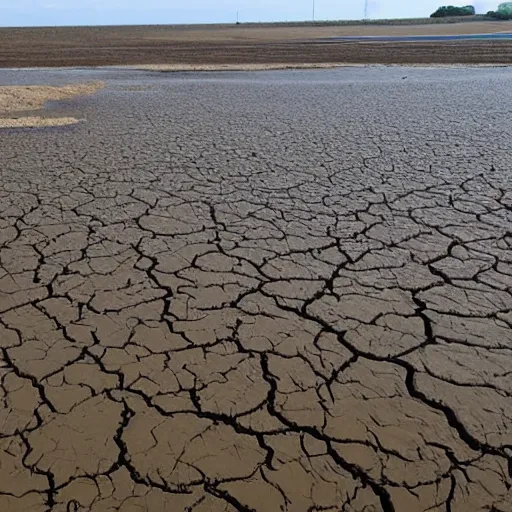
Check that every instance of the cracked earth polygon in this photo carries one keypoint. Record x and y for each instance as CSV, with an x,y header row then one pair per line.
x,y
260,292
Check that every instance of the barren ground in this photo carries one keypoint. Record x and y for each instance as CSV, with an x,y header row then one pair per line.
x,y
286,291
245,44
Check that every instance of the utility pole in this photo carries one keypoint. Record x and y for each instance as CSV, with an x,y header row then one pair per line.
x,y
313,10
365,9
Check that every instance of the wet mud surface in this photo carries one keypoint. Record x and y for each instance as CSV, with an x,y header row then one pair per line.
x,y
286,291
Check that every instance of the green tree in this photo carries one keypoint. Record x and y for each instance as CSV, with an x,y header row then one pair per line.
x,y
505,8
504,12
451,10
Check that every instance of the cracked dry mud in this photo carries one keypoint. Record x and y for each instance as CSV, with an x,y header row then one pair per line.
x,y
260,292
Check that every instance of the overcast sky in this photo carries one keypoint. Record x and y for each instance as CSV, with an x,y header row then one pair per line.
x,y
105,12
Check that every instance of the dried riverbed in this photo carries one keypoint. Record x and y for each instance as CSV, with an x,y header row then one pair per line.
x,y
259,291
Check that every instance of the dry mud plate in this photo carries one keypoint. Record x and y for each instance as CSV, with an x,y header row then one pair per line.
x,y
286,291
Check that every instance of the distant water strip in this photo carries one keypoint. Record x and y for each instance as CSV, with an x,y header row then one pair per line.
x,y
425,38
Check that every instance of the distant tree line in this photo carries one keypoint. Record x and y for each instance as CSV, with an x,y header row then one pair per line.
x,y
451,10
504,12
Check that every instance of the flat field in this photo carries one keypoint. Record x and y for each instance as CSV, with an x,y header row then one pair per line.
x,y
291,44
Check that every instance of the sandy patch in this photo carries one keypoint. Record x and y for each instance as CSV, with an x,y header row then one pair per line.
x,y
33,97
33,121
255,33
276,67
236,67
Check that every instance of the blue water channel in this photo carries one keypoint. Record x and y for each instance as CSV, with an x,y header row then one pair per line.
x,y
403,39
